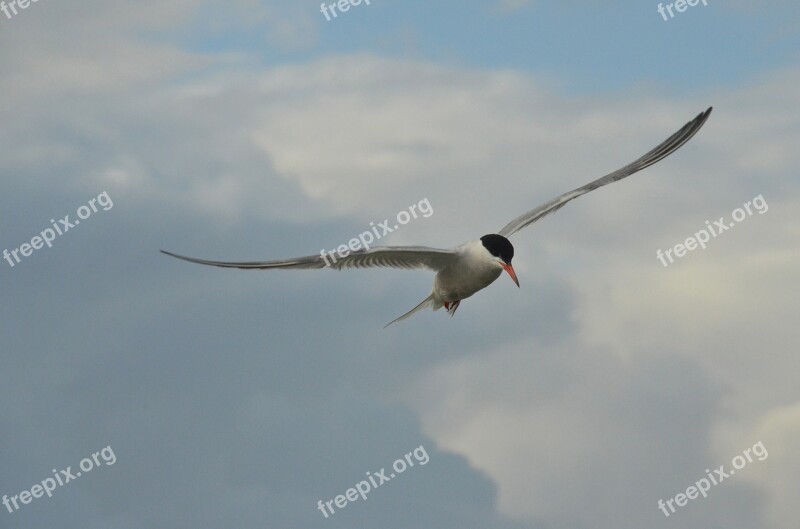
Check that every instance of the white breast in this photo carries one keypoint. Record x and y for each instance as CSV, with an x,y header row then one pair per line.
x,y
475,269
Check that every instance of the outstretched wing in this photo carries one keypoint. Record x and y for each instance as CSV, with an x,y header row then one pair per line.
x,y
664,149
379,256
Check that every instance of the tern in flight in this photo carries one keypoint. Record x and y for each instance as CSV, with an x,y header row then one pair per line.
x,y
464,270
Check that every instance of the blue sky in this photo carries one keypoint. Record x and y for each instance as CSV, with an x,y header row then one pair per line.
x,y
584,46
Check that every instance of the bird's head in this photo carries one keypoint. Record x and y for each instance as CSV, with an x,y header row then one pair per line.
x,y
503,252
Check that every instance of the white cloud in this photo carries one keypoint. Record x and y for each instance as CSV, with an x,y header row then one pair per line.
x,y
779,432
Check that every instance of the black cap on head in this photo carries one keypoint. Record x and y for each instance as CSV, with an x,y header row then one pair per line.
x,y
498,246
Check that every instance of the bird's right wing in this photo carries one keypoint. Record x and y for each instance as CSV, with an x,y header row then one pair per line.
x,y
379,256
661,151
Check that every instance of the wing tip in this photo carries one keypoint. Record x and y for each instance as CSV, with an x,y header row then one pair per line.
x,y
701,118
176,256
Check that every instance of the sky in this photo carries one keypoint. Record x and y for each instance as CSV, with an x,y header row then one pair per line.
x,y
604,387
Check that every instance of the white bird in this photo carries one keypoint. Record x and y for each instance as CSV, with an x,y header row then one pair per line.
x,y
464,270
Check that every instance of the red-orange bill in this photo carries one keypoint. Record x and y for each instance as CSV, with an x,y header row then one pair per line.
x,y
510,269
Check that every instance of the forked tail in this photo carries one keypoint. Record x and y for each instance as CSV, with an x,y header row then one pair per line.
x,y
425,302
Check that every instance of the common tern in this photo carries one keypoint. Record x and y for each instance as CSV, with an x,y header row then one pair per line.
x,y
464,270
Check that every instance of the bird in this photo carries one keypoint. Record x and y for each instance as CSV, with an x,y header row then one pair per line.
x,y
472,266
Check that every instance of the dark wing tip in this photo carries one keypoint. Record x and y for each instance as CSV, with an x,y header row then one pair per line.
x,y
175,255
195,260
701,118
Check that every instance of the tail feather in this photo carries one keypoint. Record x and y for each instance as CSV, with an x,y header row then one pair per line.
x,y
425,303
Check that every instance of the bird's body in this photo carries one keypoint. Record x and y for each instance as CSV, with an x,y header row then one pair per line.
x,y
472,271
473,268
466,269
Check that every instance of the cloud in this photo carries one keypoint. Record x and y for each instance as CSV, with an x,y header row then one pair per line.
x,y
779,432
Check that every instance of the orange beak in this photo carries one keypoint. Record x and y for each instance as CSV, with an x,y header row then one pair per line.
x,y
510,269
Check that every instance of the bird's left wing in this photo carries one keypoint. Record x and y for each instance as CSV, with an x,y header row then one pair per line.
x,y
379,256
661,151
